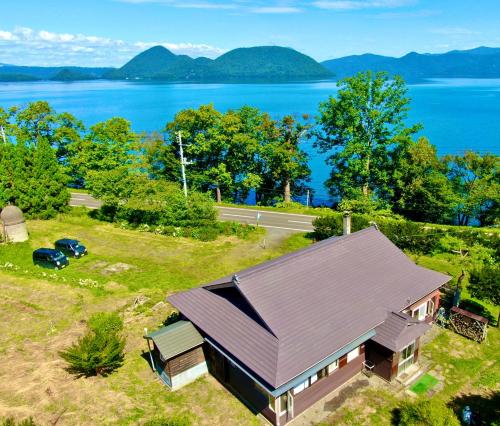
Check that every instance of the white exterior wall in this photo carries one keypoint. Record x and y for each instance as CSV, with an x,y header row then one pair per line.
x,y
188,376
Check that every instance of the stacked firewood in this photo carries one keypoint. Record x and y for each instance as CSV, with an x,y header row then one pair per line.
x,y
469,327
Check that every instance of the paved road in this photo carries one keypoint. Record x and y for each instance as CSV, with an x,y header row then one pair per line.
x,y
266,219
79,199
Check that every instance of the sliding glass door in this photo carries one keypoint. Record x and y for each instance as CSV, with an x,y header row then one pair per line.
x,y
406,358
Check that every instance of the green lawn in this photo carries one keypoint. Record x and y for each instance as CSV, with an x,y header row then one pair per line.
x,y
43,311
424,384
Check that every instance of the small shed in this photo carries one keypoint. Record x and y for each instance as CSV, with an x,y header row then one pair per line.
x,y
177,353
13,224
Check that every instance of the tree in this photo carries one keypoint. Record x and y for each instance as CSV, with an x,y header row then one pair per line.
x,y
359,129
100,350
420,188
476,182
285,161
484,284
426,412
47,193
32,179
38,121
159,158
108,145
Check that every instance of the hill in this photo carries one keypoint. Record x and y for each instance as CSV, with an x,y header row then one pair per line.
x,y
28,73
481,62
67,74
265,62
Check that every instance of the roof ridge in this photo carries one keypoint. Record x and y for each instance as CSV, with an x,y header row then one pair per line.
x,y
297,253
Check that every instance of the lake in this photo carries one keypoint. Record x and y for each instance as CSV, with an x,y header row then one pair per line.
x,y
457,114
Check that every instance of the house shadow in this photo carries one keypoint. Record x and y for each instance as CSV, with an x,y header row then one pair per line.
x,y
485,408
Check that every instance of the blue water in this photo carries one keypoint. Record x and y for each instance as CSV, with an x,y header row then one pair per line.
x,y
457,114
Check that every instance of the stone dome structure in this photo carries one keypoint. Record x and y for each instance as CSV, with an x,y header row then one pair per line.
x,y
13,224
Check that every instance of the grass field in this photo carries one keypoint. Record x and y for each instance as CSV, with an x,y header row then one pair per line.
x,y
130,272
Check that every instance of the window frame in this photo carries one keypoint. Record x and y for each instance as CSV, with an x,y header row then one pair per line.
x,y
332,367
350,353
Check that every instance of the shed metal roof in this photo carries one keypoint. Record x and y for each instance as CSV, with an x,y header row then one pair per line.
x,y
176,338
312,302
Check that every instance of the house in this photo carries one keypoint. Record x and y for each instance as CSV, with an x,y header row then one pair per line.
x,y
285,333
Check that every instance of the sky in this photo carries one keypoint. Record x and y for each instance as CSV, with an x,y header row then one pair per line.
x,y
111,32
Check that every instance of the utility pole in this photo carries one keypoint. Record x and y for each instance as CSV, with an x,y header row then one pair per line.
x,y
184,163
2,133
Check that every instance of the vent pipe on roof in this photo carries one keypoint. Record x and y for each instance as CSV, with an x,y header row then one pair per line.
x,y
346,222
374,224
236,279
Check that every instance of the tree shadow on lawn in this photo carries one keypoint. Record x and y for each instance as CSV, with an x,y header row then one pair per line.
x,y
485,408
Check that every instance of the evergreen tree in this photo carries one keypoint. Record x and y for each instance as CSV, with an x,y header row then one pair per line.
x,y
100,350
46,193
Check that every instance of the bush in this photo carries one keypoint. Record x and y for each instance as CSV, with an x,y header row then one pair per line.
x,y
10,421
417,237
426,412
100,350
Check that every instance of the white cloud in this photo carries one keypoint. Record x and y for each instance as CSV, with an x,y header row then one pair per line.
x,y
26,46
361,4
7,36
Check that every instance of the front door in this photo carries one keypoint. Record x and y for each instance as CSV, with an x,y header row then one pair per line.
x,y
406,358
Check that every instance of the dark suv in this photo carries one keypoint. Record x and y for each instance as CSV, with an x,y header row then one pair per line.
x,y
71,248
50,258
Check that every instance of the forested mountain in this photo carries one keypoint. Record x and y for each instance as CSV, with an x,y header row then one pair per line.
x,y
264,62
481,62
26,73
270,63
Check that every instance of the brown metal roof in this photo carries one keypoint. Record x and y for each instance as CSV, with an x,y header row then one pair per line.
x,y
398,331
176,338
314,302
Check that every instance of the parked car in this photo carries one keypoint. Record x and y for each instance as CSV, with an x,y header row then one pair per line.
x,y
71,248
50,258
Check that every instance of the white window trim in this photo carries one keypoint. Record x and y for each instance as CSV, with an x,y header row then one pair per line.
x,y
417,311
353,354
272,403
313,378
282,412
333,366
430,307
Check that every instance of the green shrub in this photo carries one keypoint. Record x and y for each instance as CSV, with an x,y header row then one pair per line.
x,y
426,412
10,421
178,420
417,237
100,350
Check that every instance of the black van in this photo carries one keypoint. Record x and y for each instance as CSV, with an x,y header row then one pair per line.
x,y
50,258
71,248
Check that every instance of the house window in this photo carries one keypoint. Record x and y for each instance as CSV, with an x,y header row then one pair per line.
x,y
323,373
353,354
301,387
283,399
313,379
420,312
430,307
272,403
333,366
